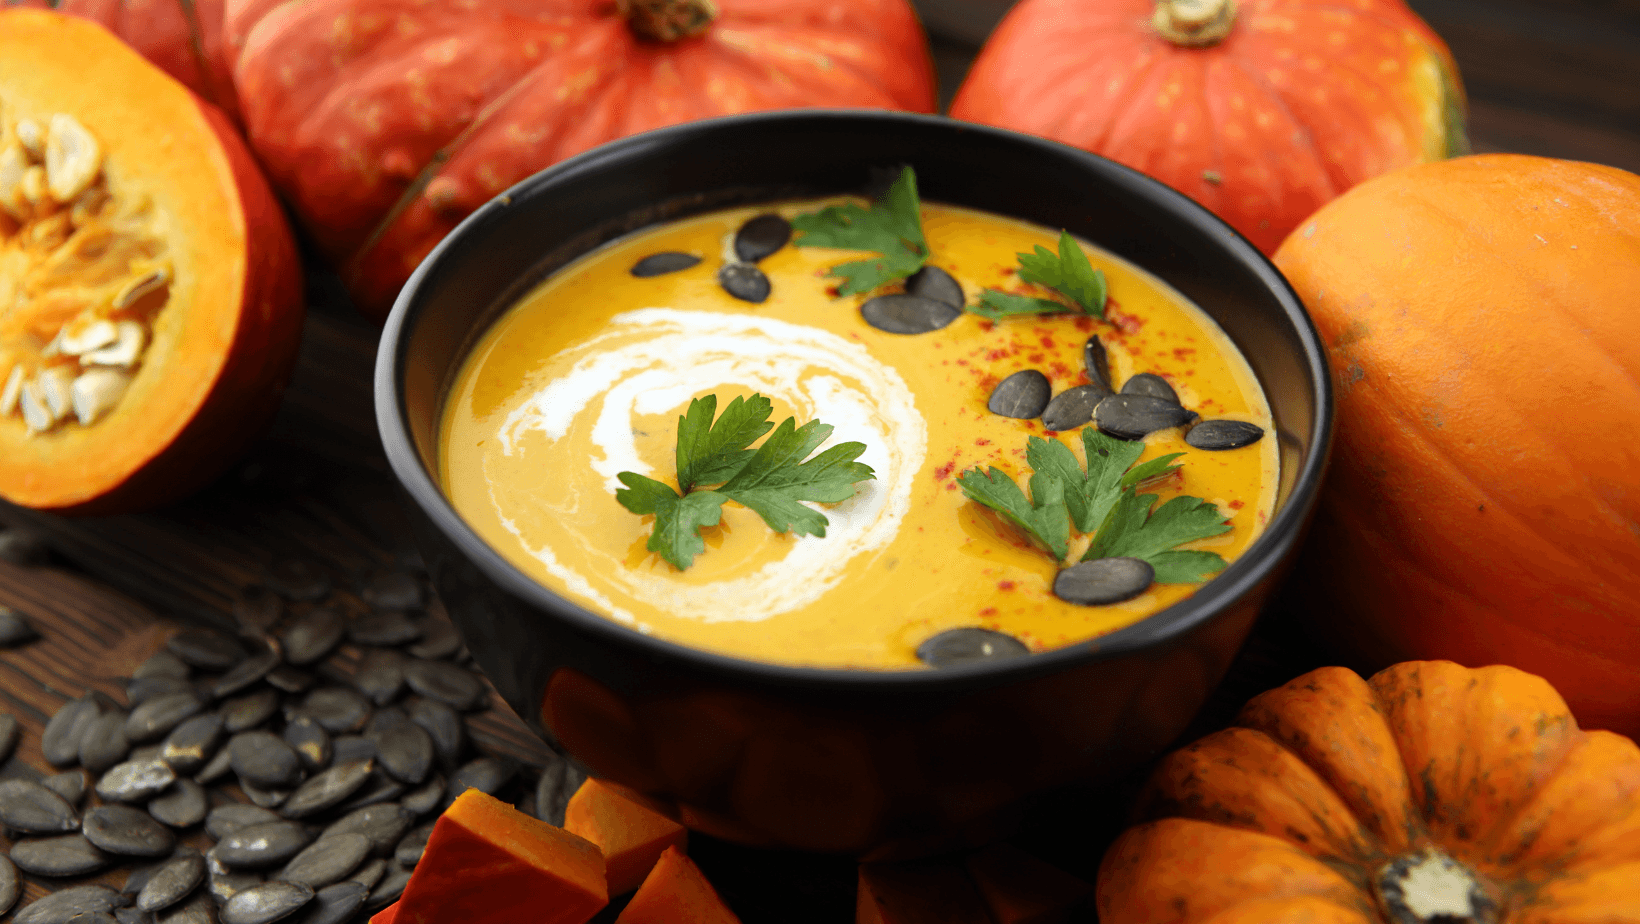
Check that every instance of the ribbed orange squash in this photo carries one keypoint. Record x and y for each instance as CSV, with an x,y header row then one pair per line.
x,y
385,122
1482,318
1431,794
1261,110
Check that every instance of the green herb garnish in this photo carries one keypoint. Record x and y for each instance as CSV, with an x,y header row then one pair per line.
x,y
892,227
771,480
1090,494
1068,272
1043,517
1134,530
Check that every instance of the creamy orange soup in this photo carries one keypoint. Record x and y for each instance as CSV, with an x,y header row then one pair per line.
x,y
586,378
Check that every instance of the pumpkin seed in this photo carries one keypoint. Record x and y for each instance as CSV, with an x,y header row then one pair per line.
x,y
135,781
426,797
336,709
761,236
220,766
389,889
901,313
171,883
261,846
21,547
263,759
335,903
70,784
245,674
129,832
387,627
226,819
559,780
10,887
1073,407
156,717
266,903
407,853
243,713
198,910
142,689
104,744
1023,395
380,788
1218,435
126,915
659,264
443,725
383,824
60,906
30,807
381,675
969,645
299,580
206,649
394,590
191,745
310,742
1102,581
257,610
263,797
370,873
326,861
63,855
327,789
60,741
349,748
1132,417
406,752
162,663
485,774
94,917
181,806
744,281
15,628
312,635
1146,383
290,679
439,639
224,883
1097,363
937,284
446,683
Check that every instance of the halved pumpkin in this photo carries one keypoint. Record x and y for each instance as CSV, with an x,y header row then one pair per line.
x,y
150,292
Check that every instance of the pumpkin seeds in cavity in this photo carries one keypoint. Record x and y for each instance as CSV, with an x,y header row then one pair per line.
x,y
380,788
104,744
394,590
336,709
135,781
60,741
439,639
1147,383
261,846
206,649
10,731
405,751
443,725
226,819
129,832
143,689
1132,417
326,861
381,675
387,627
312,635
427,796
29,807
220,766
370,873
1218,435
1097,363
257,610
744,281
327,789
335,903
191,745
900,313
389,889
969,645
310,742
1073,407
559,780
20,547
383,824
1022,395
485,774
407,853
348,748
265,903
295,579
15,628
10,888
659,264
162,664
246,673
761,236
171,883
446,683
156,717
181,806
290,680
70,784
63,855
1102,581
60,906
246,712
937,284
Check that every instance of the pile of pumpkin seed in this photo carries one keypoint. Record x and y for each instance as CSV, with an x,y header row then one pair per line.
x,y
317,785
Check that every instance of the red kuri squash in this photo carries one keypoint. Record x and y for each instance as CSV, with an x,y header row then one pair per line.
x,y
1261,110
385,122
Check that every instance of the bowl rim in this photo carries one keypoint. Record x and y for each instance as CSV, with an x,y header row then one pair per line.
x,y
1255,565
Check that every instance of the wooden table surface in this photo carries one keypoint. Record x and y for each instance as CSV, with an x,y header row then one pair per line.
x,y
1558,78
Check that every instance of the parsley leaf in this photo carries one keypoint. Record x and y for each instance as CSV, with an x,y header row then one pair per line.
x,y
1068,272
892,227
996,305
1110,468
770,480
1043,518
1132,529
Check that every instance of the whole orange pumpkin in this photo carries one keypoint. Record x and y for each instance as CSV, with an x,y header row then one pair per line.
x,y
1430,793
385,122
1482,318
1261,110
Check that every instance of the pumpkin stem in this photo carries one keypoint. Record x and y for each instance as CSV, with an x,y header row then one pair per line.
x,y
1194,23
1430,887
667,20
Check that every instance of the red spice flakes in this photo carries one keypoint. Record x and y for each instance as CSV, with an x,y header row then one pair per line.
x,y
944,471
988,611
1084,324
982,441
1046,341
1183,352
833,292
1236,505
1062,371
987,381
950,486
986,324
994,355
1005,585
962,362
1036,358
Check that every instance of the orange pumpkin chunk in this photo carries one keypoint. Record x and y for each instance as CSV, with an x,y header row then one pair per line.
x,y
1020,889
917,893
676,892
631,835
488,863
387,915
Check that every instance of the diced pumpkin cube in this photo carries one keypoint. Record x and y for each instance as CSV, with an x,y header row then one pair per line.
x,y
1021,889
488,863
925,892
631,834
387,915
676,892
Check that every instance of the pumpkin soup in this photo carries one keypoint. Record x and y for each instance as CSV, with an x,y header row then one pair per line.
x,y
961,534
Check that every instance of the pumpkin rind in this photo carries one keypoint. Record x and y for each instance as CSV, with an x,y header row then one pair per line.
x,y
385,122
1481,324
1539,812
1302,100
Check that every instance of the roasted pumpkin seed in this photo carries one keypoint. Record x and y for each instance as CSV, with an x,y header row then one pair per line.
x,y
405,752
326,860
937,284
142,689
1023,395
761,236
969,645
191,745
558,781
206,649
135,781
266,903
246,674
224,882
60,906
1103,581
902,313
243,713
310,742
328,789
10,887
290,679
389,889
407,853
104,744
485,774
70,784
659,264
181,806
263,759
63,855
439,639
745,282
378,789
171,883
447,683
156,717
162,663
335,903
226,819
1073,407
369,873
1219,435
386,627
312,635
383,824
32,808
426,797
1096,362
1132,417
381,675
128,832
443,725
336,709
348,748
1146,383
197,910
219,766
262,846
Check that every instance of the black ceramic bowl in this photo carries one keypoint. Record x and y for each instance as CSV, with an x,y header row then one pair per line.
x,y
828,759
